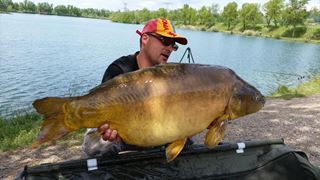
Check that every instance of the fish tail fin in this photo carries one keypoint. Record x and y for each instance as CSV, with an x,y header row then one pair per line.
x,y
54,113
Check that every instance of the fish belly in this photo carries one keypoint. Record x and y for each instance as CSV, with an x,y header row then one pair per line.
x,y
164,119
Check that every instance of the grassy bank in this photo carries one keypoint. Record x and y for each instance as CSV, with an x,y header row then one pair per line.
x,y
18,131
21,130
308,34
304,89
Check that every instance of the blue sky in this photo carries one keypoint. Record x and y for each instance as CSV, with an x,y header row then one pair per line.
x,y
152,4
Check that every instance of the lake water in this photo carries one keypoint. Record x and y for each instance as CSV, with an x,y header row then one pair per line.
x,y
60,56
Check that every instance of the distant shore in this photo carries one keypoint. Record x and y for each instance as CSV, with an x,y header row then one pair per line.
x,y
272,35
276,33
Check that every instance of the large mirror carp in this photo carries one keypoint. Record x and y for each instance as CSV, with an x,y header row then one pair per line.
x,y
155,106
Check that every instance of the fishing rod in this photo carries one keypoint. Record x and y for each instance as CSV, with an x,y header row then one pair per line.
x,y
189,56
282,73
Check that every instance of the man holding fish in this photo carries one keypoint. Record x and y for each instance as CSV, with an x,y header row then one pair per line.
x,y
157,41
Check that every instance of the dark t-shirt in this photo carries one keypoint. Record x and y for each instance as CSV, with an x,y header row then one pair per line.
x,y
122,65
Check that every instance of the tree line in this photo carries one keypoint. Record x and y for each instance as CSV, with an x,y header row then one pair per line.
x,y
48,9
273,13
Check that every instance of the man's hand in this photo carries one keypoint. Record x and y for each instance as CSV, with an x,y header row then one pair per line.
x,y
108,134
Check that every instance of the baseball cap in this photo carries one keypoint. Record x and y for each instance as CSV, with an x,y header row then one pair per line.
x,y
162,27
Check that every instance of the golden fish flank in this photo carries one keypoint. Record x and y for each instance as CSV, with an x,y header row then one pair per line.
x,y
155,106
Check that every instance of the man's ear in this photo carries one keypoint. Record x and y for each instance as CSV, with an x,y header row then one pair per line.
x,y
144,39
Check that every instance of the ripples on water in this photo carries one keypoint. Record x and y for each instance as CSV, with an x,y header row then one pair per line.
x,y
63,56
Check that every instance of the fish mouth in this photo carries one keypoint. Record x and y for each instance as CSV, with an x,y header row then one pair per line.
x,y
264,100
261,99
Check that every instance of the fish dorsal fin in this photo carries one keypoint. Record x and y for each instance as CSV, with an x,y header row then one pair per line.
x,y
173,150
215,133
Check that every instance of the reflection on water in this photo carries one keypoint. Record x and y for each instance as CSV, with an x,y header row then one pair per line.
x,y
61,56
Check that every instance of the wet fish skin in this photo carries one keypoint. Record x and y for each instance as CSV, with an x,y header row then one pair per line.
x,y
155,106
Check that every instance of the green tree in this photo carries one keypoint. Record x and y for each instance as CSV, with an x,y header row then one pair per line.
x,y
124,17
174,15
105,13
214,9
230,14
250,15
89,12
143,15
28,6
6,5
161,12
273,10
45,8
61,10
74,11
315,14
295,13
205,16
187,15
15,7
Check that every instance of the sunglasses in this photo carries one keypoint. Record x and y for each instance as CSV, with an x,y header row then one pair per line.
x,y
166,41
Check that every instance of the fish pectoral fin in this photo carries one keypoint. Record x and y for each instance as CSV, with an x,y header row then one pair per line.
x,y
215,133
173,150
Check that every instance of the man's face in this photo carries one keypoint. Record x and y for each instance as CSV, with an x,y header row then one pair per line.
x,y
158,48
